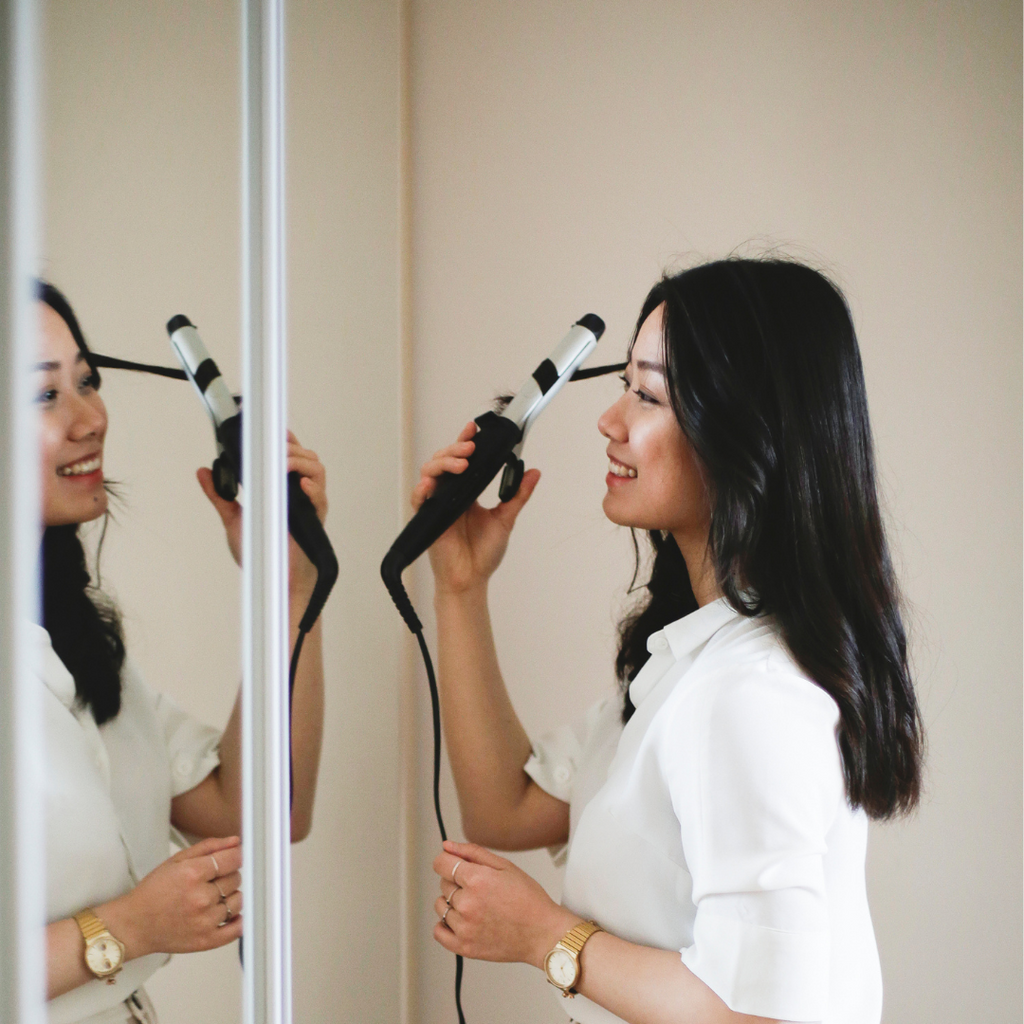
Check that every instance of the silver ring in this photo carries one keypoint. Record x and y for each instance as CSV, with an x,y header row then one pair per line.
x,y
444,916
223,898
458,864
216,866
229,914
448,899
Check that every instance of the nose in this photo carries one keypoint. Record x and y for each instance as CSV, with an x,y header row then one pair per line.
x,y
611,423
89,418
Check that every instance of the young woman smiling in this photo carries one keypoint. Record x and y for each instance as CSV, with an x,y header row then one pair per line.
x,y
125,767
715,811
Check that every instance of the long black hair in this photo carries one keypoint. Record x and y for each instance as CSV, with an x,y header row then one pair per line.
x,y
765,378
84,625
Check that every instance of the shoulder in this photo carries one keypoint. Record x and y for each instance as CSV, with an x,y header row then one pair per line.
x,y
747,709
746,674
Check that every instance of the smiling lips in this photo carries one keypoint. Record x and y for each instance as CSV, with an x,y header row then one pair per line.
x,y
618,469
83,467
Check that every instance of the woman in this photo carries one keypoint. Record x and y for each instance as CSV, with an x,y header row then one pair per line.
x,y
716,811
125,767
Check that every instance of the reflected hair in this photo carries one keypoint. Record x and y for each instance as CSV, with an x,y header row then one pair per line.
x,y
765,378
84,624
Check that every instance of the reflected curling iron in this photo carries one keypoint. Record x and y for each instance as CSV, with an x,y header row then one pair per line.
x,y
303,523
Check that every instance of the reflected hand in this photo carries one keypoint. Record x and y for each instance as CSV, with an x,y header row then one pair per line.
x,y
188,903
313,481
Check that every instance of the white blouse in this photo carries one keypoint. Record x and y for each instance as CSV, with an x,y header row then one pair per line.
x,y
108,797
716,823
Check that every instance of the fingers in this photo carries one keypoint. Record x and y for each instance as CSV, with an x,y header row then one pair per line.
x,y
227,510
509,511
227,884
449,916
447,864
471,854
207,846
452,458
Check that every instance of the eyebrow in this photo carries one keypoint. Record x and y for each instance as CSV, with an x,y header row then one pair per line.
x,y
645,364
54,364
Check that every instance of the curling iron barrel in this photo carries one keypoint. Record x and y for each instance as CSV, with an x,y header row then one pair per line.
x,y
498,440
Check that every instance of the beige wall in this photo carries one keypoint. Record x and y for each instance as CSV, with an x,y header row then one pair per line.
x,y
142,221
564,153
561,155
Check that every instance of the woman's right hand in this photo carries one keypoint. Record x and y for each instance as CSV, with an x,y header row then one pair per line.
x,y
177,907
465,556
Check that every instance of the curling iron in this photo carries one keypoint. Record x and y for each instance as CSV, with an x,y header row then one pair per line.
x,y
499,445
225,412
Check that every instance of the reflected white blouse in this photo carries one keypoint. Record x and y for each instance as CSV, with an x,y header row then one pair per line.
x,y
716,823
108,793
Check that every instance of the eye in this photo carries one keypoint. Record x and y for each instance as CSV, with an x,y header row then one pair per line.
x,y
90,382
46,396
642,395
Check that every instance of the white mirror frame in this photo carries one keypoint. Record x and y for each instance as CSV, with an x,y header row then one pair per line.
x,y
22,879
267,994
266,815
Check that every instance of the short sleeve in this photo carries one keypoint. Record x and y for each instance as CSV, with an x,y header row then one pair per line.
x,y
557,755
192,746
760,794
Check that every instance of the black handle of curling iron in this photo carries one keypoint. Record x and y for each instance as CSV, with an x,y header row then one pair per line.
x,y
453,495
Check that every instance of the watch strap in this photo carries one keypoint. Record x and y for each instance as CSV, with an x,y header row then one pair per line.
x,y
90,925
575,938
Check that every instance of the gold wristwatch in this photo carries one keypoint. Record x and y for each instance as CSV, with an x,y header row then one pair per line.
x,y
104,955
562,964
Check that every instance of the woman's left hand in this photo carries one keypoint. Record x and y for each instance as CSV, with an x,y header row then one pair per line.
x,y
313,482
493,910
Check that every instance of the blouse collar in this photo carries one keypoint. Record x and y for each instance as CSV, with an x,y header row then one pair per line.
x,y
685,635
678,641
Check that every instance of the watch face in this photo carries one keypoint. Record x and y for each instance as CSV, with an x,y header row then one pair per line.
x,y
560,966
103,955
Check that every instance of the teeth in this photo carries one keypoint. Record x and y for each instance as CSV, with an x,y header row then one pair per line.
x,y
81,468
617,469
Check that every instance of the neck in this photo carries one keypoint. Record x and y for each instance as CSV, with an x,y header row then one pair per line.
x,y
700,567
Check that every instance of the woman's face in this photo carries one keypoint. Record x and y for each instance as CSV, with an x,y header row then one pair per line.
x,y
72,423
654,480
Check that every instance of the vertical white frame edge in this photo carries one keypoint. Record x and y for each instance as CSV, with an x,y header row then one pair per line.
x,y
266,870
22,870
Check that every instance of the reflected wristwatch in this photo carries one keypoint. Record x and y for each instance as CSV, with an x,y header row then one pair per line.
x,y
104,955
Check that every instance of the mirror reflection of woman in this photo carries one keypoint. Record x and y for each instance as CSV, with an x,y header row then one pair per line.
x,y
125,768
715,811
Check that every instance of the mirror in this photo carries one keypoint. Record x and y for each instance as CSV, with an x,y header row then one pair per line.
x,y
464,181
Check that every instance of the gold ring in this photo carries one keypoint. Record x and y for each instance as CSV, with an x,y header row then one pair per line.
x,y
219,889
458,864
444,916
448,899
216,866
228,914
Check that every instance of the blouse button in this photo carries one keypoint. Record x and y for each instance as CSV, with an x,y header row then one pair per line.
x,y
659,642
562,773
182,767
